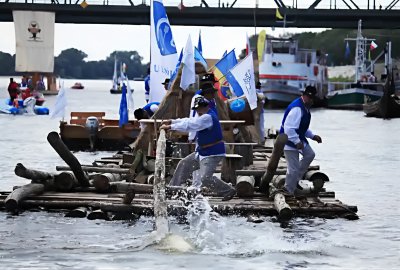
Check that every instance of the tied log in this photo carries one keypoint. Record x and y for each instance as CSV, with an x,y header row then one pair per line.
x,y
65,181
284,210
273,162
55,141
245,186
14,198
318,178
101,182
79,212
21,171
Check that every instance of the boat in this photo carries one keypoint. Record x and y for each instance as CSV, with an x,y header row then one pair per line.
x,y
92,131
286,70
26,106
77,85
365,88
118,81
388,106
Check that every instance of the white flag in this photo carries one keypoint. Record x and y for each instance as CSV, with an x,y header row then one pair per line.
x,y
61,103
34,36
188,72
163,53
241,78
130,96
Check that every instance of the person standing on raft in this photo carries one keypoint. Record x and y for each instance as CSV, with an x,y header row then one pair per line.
x,y
210,150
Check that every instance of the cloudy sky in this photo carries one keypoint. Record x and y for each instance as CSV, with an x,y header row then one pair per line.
x,y
98,41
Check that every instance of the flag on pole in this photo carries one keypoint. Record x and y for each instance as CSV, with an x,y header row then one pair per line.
x,y
241,78
199,58
373,46
347,51
278,14
123,108
247,45
163,53
199,45
188,71
222,66
61,103
261,45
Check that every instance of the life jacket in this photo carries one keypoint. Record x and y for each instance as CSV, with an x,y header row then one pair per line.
x,y
304,122
209,140
148,106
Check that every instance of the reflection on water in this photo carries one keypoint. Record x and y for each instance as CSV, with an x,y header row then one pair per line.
x,y
360,155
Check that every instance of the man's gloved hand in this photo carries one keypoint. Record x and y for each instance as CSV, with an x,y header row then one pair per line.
x,y
317,139
300,146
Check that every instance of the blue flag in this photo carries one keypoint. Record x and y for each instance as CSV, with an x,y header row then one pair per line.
x,y
199,45
123,108
199,57
347,51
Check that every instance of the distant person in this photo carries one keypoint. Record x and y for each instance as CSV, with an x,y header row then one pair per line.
x,y
262,128
295,125
13,90
147,86
166,84
40,86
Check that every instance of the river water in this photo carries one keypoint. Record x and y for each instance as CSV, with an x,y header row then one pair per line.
x,y
360,155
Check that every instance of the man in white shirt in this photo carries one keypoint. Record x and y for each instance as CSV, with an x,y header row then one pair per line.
x,y
210,150
295,125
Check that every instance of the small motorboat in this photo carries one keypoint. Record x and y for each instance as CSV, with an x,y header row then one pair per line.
x,y
77,85
26,106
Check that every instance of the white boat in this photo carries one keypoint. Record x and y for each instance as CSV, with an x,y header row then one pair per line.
x,y
286,70
118,81
365,88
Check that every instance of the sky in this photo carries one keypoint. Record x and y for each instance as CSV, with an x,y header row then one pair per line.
x,y
99,41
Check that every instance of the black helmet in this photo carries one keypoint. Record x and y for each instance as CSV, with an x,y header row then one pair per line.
x,y
310,91
200,102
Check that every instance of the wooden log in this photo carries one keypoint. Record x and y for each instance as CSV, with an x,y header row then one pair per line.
x,y
230,164
12,201
96,169
21,171
58,145
79,212
128,197
65,181
278,181
98,214
101,182
318,178
284,210
273,162
150,179
245,186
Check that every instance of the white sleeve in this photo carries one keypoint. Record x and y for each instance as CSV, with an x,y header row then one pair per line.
x,y
292,123
192,124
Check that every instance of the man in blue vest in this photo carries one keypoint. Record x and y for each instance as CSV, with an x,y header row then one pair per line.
x,y
295,125
146,112
210,150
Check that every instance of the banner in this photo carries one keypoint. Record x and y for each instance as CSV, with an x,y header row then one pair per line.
x,y
61,103
242,80
163,55
261,45
188,71
34,37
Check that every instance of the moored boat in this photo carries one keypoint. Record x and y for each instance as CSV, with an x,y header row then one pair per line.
x,y
286,70
90,131
77,85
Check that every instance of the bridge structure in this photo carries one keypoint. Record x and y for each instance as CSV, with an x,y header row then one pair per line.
x,y
237,13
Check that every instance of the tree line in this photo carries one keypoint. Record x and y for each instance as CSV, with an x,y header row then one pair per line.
x,y
71,62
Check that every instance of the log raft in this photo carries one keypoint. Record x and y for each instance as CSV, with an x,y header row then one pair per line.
x,y
107,192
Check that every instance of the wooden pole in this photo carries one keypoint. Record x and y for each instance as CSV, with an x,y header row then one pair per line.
x,y
318,178
24,172
95,169
273,162
79,212
55,141
13,199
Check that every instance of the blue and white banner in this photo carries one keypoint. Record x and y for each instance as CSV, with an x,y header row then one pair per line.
x,y
242,80
163,53
61,103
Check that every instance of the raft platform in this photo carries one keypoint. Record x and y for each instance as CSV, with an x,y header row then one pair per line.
x,y
114,188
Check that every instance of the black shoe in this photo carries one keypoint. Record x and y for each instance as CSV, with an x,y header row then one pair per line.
x,y
299,187
229,196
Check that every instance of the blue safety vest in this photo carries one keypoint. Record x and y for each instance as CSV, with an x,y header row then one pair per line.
x,y
147,108
304,122
209,140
